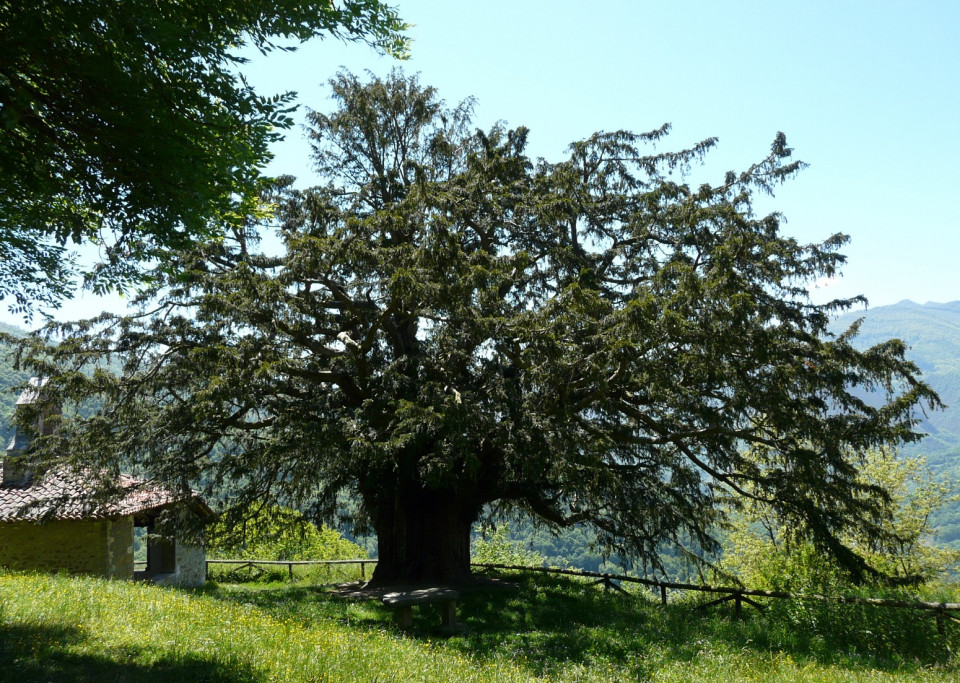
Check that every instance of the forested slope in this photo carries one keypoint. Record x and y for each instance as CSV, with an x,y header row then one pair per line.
x,y
9,378
932,333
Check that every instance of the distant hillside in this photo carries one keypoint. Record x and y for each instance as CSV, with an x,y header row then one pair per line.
x,y
7,328
8,378
932,333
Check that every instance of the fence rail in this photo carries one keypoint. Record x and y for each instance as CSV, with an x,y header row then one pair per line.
x,y
941,610
291,563
880,602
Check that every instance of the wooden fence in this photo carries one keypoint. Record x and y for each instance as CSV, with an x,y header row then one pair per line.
x,y
943,611
940,610
289,564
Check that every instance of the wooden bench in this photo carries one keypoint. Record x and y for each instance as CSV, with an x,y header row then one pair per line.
x,y
405,600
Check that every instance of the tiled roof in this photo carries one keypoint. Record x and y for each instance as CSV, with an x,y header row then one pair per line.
x,y
59,495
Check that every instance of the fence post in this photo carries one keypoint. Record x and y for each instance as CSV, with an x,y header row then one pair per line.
x,y
290,568
663,595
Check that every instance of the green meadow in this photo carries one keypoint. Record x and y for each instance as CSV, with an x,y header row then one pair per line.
x,y
531,627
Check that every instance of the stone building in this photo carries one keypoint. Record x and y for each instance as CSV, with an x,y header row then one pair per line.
x,y
48,521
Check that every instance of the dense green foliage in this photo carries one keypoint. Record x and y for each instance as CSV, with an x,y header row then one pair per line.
x,y
61,628
496,547
528,543
9,378
277,534
931,331
127,124
280,534
765,553
450,325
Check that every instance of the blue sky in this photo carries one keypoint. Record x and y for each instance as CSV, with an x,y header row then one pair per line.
x,y
868,93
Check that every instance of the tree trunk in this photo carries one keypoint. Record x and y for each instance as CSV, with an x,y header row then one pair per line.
x,y
423,538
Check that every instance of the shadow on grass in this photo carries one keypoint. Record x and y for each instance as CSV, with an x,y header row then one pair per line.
x,y
305,604
547,623
34,653
554,620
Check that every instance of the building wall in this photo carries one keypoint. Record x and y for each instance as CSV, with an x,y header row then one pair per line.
x,y
101,547
119,540
191,568
191,565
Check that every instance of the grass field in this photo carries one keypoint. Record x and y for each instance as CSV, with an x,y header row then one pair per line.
x,y
59,628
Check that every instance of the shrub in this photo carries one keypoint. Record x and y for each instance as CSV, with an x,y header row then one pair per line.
x,y
497,548
276,533
762,551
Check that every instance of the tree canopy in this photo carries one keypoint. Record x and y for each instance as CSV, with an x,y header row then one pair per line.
x,y
451,327
127,124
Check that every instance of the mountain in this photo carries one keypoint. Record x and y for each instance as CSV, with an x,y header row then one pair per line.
x,y
932,334
7,328
9,378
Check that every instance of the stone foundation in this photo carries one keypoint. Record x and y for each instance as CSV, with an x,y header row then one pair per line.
x,y
101,547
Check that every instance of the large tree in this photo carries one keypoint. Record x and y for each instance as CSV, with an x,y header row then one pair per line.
x,y
126,124
450,326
